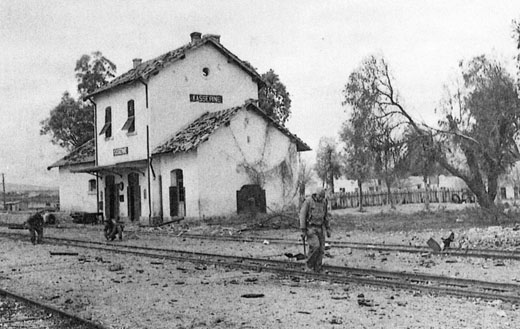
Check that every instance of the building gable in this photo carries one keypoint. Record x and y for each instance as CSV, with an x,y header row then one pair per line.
x,y
145,70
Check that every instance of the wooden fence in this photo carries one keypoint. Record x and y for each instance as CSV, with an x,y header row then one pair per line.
x,y
342,200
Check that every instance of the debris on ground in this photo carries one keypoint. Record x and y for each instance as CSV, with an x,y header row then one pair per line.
x,y
252,295
63,253
434,245
115,267
446,242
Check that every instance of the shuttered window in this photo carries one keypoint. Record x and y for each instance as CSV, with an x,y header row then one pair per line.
x,y
130,122
107,128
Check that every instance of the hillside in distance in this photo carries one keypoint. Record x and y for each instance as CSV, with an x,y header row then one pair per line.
x,y
11,187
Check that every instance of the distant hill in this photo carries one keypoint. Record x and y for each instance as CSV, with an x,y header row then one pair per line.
x,y
9,187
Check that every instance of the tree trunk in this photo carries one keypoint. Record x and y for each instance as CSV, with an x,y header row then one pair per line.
x,y
427,189
360,188
389,198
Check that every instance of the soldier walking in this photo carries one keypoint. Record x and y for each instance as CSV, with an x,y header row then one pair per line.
x,y
313,222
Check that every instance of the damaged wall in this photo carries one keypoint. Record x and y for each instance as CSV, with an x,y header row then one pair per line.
x,y
227,160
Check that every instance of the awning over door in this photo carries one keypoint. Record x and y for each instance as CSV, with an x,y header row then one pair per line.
x,y
117,168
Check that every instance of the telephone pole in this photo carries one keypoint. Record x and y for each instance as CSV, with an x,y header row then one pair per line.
x,y
3,188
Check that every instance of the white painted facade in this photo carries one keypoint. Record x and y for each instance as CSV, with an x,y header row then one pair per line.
x,y
214,171
75,192
117,100
169,91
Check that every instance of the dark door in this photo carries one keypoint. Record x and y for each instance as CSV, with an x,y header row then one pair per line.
x,y
177,194
251,199
134,197
111,199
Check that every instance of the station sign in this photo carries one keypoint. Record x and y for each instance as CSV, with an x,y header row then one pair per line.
x,y
205,98
121,151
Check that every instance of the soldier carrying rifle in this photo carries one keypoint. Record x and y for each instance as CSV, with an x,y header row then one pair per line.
x,y
313,222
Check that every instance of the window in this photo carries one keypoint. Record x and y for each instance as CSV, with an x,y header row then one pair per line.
x,y
130,122
92,186
107,128
503,194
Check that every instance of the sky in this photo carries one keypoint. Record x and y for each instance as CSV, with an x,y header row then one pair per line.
x,y
312,45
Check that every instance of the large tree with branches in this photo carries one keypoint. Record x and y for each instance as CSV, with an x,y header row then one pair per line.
x,y
328,162
71,122
477,137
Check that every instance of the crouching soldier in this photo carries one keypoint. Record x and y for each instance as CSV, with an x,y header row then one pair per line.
x,y
113,228
314,223
35,226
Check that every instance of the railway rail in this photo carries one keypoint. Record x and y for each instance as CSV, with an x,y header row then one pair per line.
x,y
399,280
20,311
463,252
383,247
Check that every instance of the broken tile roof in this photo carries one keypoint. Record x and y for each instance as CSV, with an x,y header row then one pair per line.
x,y
151,67
82,154
199,130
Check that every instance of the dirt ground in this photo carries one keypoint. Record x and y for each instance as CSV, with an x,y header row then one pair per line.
x,y
132,292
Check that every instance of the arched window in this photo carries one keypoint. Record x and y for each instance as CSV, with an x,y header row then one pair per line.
x,y
130,122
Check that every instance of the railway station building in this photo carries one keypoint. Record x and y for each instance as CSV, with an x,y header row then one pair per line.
x,y
181,135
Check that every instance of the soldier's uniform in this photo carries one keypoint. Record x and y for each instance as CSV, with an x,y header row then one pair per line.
x,y
313,222
35,225
112,229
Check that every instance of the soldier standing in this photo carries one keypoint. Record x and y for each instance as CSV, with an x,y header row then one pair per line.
x,y
313,222
35,225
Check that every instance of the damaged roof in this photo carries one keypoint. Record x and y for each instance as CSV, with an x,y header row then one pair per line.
x,y
151,67
82,154
199,130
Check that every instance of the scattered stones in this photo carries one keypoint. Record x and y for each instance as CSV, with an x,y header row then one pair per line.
x,y
115,267
501,313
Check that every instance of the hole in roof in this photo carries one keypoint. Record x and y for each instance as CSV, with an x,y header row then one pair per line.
x,y
205,72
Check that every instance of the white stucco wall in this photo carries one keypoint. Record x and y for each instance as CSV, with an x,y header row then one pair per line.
x,y
169,91
222,157
118,99
74,191
163,166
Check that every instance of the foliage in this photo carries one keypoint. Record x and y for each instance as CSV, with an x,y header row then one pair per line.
x,y
70,123
328,162
516,35
481,125
373,133
93,71
274,98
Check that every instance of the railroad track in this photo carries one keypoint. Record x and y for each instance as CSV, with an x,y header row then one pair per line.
x,y
463,252
477,253
20,311
399,280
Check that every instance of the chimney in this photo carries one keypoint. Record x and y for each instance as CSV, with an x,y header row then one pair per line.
x,y
195,36
137,62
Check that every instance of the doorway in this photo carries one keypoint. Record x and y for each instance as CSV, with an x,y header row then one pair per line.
x,y
111,198
134,197
177,194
